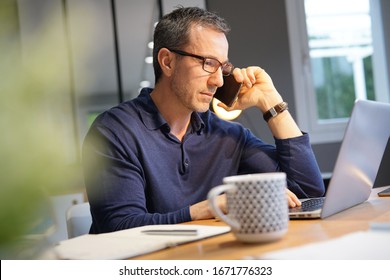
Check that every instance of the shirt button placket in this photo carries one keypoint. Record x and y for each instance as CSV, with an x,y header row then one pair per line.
x,y
186,160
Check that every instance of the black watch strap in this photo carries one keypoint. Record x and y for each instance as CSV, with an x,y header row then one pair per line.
x,y
274,111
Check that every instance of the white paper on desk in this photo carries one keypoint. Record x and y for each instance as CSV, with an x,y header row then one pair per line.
x,y
362,245
129,243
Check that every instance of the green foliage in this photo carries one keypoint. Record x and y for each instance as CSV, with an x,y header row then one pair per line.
x,y
369,74
33,164
336,94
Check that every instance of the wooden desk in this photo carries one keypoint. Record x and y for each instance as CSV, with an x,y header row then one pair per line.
x,y
376,209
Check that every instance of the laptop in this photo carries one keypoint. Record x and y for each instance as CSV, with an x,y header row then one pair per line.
x,y
360,156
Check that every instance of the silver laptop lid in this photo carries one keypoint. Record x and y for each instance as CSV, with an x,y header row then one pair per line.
x,y
360,155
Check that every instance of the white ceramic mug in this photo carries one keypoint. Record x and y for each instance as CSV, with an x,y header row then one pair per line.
x,y
257,206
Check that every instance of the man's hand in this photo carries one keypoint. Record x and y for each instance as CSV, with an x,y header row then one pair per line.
x,y
257,90
292,199
202,210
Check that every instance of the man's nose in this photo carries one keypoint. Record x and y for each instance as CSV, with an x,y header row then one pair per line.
x,y
216,79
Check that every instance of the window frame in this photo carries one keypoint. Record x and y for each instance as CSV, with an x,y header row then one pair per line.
x,y
326,131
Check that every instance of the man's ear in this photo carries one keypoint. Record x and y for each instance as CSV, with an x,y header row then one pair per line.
x,y
166,61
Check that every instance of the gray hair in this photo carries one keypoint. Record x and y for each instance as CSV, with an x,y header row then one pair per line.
x,y
173,30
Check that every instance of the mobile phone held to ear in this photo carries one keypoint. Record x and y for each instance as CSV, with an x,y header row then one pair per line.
x,y
228,93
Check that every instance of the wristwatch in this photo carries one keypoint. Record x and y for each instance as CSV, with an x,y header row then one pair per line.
x,y
274,111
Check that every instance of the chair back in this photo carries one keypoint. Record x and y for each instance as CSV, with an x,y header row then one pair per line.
x,y
78,219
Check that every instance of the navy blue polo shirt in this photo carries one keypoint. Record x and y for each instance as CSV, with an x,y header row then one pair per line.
x,y
138,173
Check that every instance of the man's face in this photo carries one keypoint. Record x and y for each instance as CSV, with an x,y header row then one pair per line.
x,y
193,86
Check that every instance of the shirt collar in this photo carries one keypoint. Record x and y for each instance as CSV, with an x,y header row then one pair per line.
x,y
153,119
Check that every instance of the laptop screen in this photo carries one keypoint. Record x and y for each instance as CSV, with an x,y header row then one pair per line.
x,y
360,157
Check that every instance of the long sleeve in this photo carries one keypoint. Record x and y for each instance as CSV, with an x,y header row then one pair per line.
x,y
297,159
293,156
115,186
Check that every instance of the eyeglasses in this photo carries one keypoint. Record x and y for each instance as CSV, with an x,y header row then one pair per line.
x,y
210,65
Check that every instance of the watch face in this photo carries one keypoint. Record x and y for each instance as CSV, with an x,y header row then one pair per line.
x,y
274,111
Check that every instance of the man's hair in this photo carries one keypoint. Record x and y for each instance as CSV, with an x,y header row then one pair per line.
x,y
173,30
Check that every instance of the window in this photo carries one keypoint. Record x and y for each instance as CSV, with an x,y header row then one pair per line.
x,y
337,57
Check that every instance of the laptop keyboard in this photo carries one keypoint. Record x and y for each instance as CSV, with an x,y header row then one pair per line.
x,y
309,205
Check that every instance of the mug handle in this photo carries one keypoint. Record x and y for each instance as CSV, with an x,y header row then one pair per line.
x,y
213,193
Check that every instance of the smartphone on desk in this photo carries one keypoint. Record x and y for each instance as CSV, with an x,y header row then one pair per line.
x,y
385,192
228,93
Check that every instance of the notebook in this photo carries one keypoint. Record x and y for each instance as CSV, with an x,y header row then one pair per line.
x,y
133,242
357,164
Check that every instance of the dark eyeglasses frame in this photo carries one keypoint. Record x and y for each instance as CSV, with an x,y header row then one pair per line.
x,y
222,65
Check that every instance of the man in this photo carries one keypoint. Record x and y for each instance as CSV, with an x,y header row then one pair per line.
x,y
152,160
